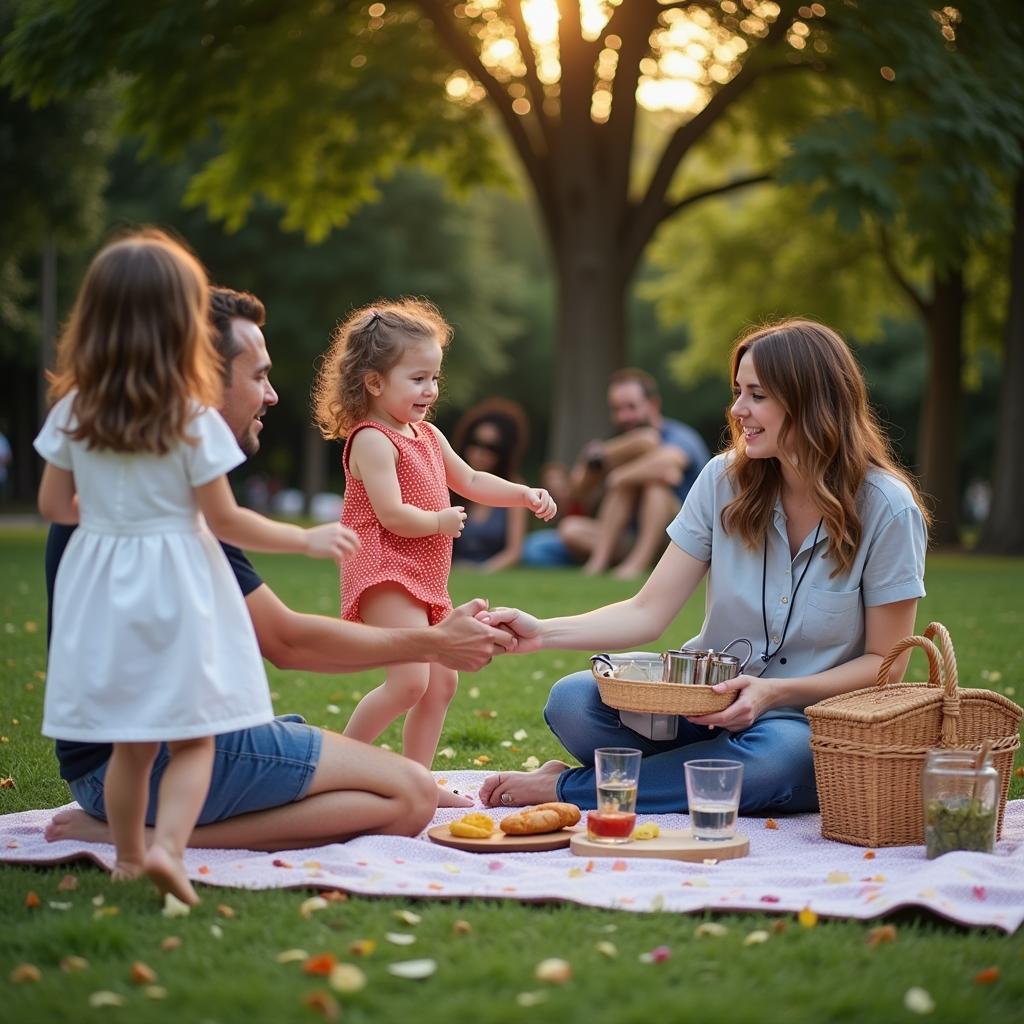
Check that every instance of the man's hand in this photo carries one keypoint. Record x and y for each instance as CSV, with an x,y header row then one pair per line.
x,y
467,643
523,626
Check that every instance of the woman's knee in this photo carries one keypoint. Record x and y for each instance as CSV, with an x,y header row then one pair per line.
x,y
568,697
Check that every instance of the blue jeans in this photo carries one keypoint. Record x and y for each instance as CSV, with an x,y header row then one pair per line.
x,y
545,548
778,771
253,769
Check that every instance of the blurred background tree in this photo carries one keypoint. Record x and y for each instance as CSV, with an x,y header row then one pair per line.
x,y
619,122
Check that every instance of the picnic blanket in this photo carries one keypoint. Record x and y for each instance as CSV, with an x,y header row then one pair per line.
x,y
789,867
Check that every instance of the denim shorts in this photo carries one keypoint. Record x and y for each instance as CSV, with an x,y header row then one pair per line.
x,y
253,769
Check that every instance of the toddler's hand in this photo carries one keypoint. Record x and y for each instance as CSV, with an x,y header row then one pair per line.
x,y
541,503
331,540
451,520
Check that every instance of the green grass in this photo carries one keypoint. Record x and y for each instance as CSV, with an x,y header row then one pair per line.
x,y
829,973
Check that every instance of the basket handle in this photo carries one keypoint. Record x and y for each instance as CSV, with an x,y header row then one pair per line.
x,y
941,672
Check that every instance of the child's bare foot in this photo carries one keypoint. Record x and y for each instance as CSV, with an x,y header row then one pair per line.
x,y
446,798
517,789
168,874
76,824
126,871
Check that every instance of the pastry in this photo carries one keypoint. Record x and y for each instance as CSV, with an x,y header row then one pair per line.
x,y
543,818
472,826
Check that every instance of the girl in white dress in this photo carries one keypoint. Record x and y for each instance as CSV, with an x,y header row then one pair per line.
x,y
151,640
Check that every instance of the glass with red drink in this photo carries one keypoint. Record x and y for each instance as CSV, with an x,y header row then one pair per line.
x,y
617,771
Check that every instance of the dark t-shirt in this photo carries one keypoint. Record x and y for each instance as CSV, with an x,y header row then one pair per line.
x,y
78,759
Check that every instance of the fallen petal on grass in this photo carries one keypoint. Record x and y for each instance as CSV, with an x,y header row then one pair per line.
x,y
170,943
553,970
408,917
321,964
461,927
710,929
530,998
987,976
400,938
807,918
173,907
882,934
323,1003
755,938
607,949
23,973
74,964
307,908
142,974
413,970
291,956
104,998
917,1000
346,978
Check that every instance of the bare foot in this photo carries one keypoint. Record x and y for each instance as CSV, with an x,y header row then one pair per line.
x,y
168,874
522,788
76,824
593,568
126,871
446,798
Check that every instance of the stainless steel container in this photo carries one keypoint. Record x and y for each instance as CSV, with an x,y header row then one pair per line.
x,y
691,667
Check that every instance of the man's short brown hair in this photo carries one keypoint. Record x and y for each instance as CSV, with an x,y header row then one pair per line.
x,y
225,305
647,383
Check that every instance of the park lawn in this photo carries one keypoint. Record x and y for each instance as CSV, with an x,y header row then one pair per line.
x,y
229,972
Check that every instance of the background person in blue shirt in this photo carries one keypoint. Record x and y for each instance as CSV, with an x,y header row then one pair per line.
x,y
812,541
639,479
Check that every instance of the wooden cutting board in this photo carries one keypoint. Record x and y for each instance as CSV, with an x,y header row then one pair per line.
x,y
672,844
498,842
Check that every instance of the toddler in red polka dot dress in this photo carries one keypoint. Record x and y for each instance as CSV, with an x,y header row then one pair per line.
x,y
375,388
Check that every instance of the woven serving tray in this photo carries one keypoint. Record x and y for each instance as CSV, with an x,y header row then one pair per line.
x,y
661,698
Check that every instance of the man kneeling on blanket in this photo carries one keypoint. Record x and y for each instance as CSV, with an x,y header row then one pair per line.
x,y
286,784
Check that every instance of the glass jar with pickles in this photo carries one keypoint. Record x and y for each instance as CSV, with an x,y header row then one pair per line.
x,y
960,789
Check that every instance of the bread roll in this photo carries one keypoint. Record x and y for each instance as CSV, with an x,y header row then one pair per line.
x,y
548,817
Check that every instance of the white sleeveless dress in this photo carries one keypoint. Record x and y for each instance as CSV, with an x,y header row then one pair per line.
x,y
151,638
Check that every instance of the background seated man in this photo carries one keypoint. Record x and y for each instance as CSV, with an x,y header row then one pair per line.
x,y
286,784
638,480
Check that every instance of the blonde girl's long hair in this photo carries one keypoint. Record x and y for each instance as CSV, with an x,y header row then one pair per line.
x,y
829,428
369,340
137,346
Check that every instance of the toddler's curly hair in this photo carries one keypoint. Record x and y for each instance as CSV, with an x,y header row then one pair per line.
x,y
370,339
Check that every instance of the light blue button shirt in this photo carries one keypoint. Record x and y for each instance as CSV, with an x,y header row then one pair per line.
x,y
826,614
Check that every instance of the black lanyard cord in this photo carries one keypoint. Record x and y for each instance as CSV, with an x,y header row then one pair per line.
x,y
766,656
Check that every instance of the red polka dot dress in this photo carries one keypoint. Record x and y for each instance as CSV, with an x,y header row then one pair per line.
x,y
420,564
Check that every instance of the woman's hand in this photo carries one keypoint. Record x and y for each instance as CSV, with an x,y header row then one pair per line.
x,y
754,698
522,625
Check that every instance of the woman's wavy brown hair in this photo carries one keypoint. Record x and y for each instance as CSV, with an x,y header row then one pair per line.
x,y
369,340
828,427
137,346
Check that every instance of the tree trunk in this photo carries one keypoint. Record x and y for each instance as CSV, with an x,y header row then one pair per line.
x,y
314,465
48,320
1004,531
591,343
939,431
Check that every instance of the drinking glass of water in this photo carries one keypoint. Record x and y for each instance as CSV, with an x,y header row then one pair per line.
x,y
713,796
617,771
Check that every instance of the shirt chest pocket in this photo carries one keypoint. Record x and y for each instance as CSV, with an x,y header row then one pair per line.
x,y
832,617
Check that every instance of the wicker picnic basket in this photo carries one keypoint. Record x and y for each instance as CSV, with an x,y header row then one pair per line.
x,y
660,698
870,745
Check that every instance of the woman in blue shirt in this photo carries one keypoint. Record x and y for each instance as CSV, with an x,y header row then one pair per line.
x,y
813,542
